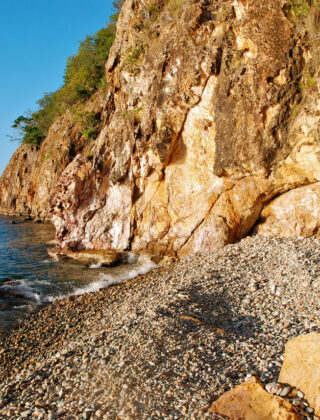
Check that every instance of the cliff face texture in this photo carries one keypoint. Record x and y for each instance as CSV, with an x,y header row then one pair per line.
x,y
211,116
28,182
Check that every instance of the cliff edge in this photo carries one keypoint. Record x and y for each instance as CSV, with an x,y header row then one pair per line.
x,y
209,127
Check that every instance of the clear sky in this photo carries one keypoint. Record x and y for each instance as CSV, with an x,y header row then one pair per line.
x,y
36,37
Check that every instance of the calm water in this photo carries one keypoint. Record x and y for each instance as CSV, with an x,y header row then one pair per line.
x,y
29,278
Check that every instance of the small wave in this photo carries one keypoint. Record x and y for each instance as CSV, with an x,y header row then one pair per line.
x,y
142,266
25,308
132,258
53,298
33,282
19,289
98,265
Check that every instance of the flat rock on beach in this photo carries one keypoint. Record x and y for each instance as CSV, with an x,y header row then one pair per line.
x,y
167,344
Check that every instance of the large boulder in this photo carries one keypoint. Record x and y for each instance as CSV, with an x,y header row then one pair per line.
x,y
295,213
251,402
301,367
103,258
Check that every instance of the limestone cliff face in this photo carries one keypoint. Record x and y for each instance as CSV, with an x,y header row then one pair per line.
x,y
212,110
28,182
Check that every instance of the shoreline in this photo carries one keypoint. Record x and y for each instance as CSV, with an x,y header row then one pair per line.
x,y
168,343
27,218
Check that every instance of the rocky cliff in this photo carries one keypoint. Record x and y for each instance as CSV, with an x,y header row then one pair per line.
x,y
29,181
211,116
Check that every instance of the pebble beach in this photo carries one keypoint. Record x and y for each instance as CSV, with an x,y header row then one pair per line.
x,y
167,344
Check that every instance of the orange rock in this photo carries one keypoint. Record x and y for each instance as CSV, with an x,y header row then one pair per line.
x,y
251,402
190,318
301,367
295,213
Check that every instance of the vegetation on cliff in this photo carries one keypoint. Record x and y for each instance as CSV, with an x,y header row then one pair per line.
x,y
84,74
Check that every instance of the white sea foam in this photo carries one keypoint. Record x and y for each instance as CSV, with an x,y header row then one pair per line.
x,y
53,298
41,282
132,257
142,266
98,265
21,288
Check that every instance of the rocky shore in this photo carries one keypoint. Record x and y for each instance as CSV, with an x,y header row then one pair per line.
x,y
167,344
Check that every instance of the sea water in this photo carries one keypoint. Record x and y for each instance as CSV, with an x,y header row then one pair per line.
x,y
29,278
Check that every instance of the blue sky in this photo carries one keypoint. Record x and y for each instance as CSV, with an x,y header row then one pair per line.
x,y
36,37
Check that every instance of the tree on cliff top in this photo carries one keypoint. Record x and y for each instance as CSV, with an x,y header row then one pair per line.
x,y
83,75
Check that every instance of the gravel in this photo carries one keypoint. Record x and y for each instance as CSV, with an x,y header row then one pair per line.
x,y
164,345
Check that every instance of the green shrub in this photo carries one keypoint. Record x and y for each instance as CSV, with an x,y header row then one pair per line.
x,y
308,82
28,130
89,155
89,124
133,115
297,9
133,59
47,156
154,11
134,55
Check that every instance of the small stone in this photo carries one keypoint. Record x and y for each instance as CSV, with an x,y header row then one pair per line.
x,y
184,411
87,414
40,403
99,414
293,393
309,410
26,413
273,387
285,391
11,412
204,401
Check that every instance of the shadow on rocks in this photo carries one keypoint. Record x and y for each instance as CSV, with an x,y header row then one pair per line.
x,y
194,308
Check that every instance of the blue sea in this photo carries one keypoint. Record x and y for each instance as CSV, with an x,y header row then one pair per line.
x,y
30,279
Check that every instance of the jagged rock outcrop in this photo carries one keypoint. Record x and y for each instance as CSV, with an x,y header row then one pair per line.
x,y
295,213
29,181
202,129
211,111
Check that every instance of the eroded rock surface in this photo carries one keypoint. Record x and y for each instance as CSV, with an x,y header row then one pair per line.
x,y
301,367
200,131
295,213
103,258
29,181
210,112
250,401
